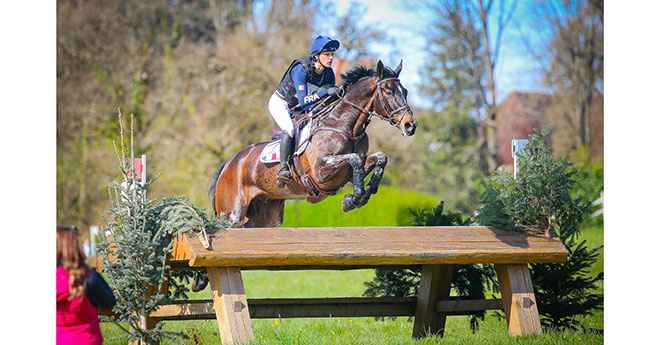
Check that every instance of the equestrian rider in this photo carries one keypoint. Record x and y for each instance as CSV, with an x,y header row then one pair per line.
x,y
307,81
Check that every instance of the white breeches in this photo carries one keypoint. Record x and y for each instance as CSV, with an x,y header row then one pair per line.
x,y
280,112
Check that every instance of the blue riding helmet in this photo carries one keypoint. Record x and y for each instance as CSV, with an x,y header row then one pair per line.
x,y
323,44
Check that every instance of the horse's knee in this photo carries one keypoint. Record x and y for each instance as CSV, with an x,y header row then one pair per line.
x,y
381,159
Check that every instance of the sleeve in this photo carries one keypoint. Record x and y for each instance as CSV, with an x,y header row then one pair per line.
x,y
99,292
299,77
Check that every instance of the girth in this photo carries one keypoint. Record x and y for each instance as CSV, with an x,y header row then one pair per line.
x,y
307,181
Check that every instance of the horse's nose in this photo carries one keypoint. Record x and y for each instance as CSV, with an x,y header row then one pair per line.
x,y
410,127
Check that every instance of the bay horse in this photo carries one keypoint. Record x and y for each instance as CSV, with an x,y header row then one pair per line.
x,y
246,191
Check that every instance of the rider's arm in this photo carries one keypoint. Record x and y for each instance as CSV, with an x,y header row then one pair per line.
x,y
299,77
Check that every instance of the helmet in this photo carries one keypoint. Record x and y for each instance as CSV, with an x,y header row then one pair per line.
x,y
323,44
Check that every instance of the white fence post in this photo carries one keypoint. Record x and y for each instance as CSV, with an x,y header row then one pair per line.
x,y
517,145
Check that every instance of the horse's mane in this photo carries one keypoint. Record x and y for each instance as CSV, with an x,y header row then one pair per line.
x,y
351,77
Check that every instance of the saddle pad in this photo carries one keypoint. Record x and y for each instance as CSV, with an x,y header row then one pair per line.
x,y
271,152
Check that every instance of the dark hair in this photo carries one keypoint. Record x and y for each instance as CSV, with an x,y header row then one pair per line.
x,y
71,256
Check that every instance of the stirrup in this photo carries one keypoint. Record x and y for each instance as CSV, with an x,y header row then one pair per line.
x,y
283,178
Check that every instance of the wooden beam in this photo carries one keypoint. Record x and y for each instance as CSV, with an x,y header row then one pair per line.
x,y
455,306
434,286
230,305
368,247
518,299
272,308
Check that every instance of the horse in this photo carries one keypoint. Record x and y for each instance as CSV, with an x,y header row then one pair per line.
x,y
245,190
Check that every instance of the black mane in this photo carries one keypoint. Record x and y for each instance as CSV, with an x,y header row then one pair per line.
x,y
351,77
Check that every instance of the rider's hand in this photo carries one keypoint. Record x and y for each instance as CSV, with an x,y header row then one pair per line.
x,y
334,90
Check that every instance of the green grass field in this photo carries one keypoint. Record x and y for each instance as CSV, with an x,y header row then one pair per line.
x,y
263,284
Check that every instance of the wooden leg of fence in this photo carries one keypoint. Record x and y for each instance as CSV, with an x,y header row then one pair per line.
x,y
518,299
230,305
434,286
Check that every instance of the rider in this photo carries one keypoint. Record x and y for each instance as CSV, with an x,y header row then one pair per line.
x,y
305,82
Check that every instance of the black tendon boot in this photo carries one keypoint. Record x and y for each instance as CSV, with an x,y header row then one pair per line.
x,y
286,146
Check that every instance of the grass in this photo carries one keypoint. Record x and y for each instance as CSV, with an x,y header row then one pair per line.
x,y
262,284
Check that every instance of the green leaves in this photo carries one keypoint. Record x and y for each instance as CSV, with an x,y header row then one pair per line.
x,y
541,197
134,254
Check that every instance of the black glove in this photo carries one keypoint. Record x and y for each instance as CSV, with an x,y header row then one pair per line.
x,y
334,90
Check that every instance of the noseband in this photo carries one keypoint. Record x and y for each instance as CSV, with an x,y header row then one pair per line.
x,y
386,105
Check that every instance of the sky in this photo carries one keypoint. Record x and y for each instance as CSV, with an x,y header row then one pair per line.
x,y
405,21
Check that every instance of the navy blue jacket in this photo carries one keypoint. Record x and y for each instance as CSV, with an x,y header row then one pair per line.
x,y
301,82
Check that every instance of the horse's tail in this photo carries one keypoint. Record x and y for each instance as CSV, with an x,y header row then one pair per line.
x,y
214,178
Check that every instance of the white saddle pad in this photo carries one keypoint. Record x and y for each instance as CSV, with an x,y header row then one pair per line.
x,y
271,152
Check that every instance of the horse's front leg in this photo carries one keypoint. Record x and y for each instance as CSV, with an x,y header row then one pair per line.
x,y
378,161
357,163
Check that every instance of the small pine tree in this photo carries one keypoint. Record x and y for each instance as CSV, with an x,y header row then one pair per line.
x,y
469,281
134,254
539,198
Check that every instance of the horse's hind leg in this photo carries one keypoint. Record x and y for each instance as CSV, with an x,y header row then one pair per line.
x,y
266,213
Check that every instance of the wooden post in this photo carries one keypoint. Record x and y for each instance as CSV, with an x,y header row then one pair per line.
x,y
230,305
434,286
518,299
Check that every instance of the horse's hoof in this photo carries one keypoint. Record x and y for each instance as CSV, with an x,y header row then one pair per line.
x,y
348,203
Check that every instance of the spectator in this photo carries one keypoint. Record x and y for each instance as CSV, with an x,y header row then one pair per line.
x,y
80,291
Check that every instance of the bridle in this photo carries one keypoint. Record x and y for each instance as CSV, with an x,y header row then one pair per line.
x,y
390,118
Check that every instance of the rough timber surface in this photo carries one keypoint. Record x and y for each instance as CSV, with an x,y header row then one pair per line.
x,y
366,247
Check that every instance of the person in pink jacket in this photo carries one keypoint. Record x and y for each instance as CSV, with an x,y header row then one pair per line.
x,y
80,291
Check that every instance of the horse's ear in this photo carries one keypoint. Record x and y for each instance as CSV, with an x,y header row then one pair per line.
x,y
380,69
397,70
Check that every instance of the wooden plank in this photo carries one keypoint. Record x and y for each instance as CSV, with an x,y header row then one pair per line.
x,y
518,299
230,305
386,246
434,286
269,308
331,307
467,305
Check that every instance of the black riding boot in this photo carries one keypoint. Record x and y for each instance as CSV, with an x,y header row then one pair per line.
x,y
286,150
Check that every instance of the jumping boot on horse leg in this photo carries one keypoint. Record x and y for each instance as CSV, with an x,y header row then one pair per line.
x,y
286,151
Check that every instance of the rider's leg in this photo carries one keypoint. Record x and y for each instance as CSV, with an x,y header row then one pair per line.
x,y
286,145
280,112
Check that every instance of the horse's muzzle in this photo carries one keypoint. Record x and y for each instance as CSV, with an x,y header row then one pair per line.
x,y
409,128
408,124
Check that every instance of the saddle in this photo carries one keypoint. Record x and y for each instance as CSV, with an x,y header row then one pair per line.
x,y
302,124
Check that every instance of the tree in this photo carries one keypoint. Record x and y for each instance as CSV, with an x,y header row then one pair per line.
x,y
540,199
134,254
572,61
197,76
464,53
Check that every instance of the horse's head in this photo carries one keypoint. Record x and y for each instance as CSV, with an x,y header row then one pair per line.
x,y
392,99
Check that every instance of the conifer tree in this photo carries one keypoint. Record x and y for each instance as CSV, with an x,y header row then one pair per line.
x,y
138,239
540,199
